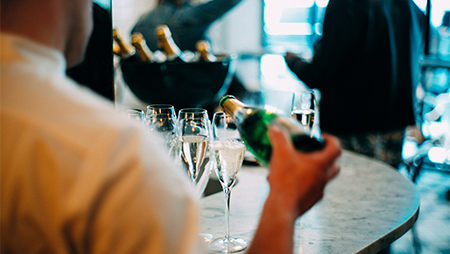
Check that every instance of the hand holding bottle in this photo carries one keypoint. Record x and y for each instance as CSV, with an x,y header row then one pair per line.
x,y
294,61
297,181
299,178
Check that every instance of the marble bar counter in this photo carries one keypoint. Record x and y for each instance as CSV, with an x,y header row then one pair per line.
x,y
366,208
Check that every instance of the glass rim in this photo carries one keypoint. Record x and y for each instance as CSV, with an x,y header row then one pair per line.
x,y
162,109
160,105
193,113
193,109
133,110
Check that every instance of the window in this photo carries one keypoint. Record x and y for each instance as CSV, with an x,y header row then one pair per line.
x,y
295,25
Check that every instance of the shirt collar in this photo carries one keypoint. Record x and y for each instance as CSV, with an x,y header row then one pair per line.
x,y
15,48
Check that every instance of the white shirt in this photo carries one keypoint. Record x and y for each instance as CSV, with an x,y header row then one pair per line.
x,y
77,177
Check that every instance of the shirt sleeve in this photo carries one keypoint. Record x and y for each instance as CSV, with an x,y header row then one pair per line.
x,y
145,205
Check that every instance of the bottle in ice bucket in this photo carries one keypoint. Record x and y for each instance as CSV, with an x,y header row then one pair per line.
x,y
144,52
124,49
141,47
204,51
253,124
168,45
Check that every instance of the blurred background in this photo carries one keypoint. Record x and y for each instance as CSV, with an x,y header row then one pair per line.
x,y
261,26
261,31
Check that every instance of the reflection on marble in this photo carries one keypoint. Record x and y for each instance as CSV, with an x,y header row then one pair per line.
x,y
367,207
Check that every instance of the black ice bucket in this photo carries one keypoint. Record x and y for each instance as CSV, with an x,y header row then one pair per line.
x,y
184,85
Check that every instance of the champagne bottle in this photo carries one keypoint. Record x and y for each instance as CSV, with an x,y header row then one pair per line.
x,y
116,50
168,45
253,124
125,49
204,49
138,41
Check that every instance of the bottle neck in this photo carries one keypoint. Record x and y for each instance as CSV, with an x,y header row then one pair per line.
x,y
139,43
169,47
126,50
236,109
204,49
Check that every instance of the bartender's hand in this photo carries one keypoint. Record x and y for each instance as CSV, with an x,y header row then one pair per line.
x,y
294,62
297,181
290,55
297,178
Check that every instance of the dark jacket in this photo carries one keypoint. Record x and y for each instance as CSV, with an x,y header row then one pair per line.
x,y
366,65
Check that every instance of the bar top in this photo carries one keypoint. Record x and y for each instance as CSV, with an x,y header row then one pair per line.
x,y
366,208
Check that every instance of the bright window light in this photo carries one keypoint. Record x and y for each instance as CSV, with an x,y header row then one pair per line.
x,y
422,4
436,130
276,75
288,29
437,154
273,66
322,3
409,149
290,3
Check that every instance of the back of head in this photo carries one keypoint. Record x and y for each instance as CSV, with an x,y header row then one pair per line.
x,y
64,26
7,3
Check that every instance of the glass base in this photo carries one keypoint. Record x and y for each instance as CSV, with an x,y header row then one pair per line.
x,y
229,245
206,237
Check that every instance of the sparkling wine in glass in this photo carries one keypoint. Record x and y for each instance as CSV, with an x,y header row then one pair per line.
x,y
228,150
194,150
305,110
194,135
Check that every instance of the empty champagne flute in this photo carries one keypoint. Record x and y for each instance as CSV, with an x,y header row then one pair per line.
x,y
228,150
161,119
305,110
134,113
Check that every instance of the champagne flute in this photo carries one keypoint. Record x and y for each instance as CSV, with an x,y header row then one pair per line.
x,y
193,133
229,152
305,110
134,113
161,119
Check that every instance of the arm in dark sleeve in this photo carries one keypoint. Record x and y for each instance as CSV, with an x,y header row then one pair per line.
x,y
342,29
205,14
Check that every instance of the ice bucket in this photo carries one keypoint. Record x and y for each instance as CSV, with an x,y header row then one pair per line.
x,y
184,85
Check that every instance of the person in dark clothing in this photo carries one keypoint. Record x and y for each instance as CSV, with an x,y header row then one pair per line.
x,y
366,67
187,22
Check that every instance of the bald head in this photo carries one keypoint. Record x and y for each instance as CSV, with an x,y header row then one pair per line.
x,y
64,25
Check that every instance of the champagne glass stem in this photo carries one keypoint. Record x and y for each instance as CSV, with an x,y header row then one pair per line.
x,y
227,192
192,171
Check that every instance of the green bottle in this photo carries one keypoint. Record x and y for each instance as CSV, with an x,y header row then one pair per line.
x,y
253,124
